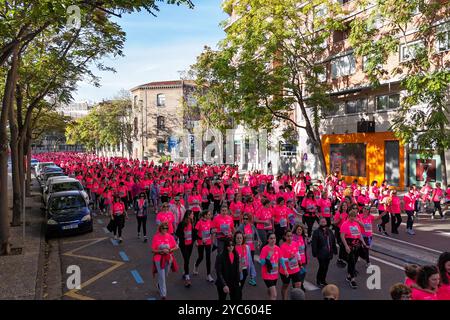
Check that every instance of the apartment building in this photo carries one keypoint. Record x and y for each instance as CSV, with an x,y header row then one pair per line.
x,y
357,140
159,117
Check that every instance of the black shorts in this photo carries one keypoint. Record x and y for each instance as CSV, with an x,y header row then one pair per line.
x,y
271,283
295,277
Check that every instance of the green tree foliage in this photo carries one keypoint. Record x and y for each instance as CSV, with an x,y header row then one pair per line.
x,y
106,125
422,119
269,64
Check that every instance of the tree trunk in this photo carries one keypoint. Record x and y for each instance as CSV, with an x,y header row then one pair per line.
x,y
321,158
27,149
7,103
444,166
15,162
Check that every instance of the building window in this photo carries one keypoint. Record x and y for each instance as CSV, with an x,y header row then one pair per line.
x,y
161,100
136,128
160,122
343,66
408,51
356,106
443,37
332,111
161,147
388,102
135,104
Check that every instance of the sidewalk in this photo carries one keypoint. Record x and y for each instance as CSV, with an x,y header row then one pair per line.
x,y
19,271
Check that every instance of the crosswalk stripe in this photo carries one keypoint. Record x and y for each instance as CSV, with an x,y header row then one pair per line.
x,y
137,277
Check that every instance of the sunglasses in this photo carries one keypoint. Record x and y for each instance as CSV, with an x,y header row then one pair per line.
x,y
164,228
245,219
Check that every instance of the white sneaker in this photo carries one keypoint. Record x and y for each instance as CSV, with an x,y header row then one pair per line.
x,y
411,232
195,272
139,236
187,277
209,278
432,217
116,238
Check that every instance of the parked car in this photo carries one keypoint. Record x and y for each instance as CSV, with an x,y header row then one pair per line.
x,y
42,165
49,174
60,184
67,213
34,163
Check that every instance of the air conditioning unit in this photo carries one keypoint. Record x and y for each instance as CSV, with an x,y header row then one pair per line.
x,y
365,126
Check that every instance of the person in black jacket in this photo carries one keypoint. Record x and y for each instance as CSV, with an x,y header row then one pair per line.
x,y
227,271
323,247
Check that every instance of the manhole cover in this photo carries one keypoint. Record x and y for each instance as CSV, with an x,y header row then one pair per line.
x,y
16,251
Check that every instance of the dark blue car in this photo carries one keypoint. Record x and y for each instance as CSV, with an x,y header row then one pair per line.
x,y
68,213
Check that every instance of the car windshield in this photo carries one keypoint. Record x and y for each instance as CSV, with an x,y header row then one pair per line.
x,y
67,186
67,202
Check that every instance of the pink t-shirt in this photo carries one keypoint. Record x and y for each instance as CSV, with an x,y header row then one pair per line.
x,y
274,259
223,226
409,201
444,292
367,221
166,217
291,256
438,194
325,207
351,230
310,205
418,294
395,206
204,232
342,216
409,282
237,208
161,242
264,214
242,251
280,215
248,236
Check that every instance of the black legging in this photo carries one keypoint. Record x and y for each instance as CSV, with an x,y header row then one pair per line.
x,y
410,221
119,222
242,282
201,249
142,221
309,221
384,221
437,206
186,251
352,258
337,235
279,232
235,293
205,206
216,206
396,221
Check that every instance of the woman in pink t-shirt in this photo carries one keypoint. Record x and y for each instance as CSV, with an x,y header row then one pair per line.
x,y
428,279
366,220
271,259
395,211
436,197
409,205
444,269
264,220
203,235
351,237
237,209
289,251
309,206
163,246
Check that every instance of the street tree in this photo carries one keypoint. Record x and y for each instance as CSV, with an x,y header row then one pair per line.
x,y
269,65
422,119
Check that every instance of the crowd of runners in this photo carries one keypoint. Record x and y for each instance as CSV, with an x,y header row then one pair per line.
x,y
256,219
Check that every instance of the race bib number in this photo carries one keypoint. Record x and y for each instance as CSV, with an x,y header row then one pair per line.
x,y
267,224
163,246
249,238
368,227
293,263
354,231
188,235
283,223
225,229
274,268
326,210
206,235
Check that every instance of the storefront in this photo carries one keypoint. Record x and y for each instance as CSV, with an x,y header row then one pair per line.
x,y
422,169
366,156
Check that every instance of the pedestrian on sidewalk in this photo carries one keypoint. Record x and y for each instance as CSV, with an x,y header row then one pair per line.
x,y
163,246
409,201
118,216
185,241
141,210
323,247
436,197
395,211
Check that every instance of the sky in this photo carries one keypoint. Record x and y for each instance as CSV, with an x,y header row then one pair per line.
x,y
158,48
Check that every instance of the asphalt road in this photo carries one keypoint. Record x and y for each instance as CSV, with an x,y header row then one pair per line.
x,y
123,271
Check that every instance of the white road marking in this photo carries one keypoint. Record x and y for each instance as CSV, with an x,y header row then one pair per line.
x,y
408,243
387,262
